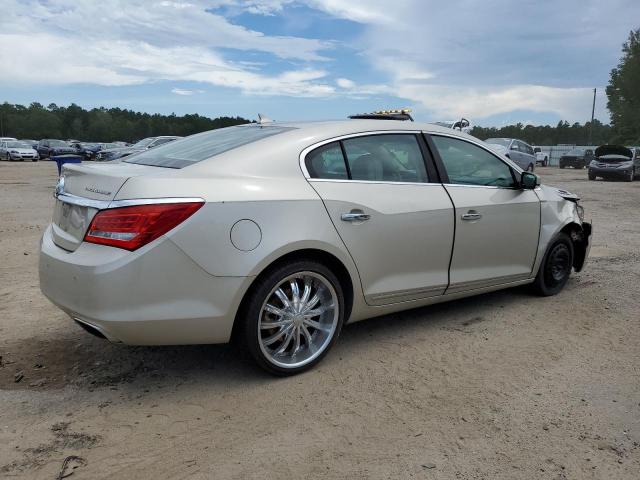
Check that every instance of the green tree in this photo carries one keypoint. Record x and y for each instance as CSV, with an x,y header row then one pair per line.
x,y
623,93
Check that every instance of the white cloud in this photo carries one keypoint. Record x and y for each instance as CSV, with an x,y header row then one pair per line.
x,y
185,92
345,83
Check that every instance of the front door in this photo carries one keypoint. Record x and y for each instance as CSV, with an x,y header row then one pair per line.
x,y
497,223
395,220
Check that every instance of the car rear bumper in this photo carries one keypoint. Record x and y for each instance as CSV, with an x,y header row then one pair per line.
x,y
153,296
610,172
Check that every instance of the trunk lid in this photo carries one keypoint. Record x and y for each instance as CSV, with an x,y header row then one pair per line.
x,y
84,189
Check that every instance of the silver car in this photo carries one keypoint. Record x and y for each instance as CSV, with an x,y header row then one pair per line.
x,y
516,150
17,150
277,235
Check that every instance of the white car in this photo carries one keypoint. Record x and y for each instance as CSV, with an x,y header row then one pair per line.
x,y
541,157
279,234
14,150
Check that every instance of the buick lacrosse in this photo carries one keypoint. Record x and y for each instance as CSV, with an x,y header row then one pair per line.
x,y
276,235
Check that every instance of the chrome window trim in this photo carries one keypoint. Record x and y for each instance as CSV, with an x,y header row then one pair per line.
x,y
341,180
307,150
105,204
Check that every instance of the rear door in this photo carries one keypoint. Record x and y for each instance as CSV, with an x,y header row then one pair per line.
x,y
497,223
392,214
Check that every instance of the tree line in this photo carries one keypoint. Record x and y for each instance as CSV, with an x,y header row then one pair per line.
x,y
100,124
562,133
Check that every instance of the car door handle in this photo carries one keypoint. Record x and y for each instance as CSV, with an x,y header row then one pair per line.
x,y
355,217
472,216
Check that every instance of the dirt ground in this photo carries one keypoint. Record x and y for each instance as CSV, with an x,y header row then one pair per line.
x,y
501,386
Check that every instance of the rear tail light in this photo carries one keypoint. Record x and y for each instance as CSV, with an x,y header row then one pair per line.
x,y
132,227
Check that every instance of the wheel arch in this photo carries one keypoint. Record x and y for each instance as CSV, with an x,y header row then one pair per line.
x,y
579,235
324,257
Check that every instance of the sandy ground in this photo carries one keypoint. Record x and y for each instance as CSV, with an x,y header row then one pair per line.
x,y
501,386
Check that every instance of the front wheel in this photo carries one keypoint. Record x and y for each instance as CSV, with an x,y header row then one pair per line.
x,y
530,167
556,266
292,317
592,176
562,166
631,176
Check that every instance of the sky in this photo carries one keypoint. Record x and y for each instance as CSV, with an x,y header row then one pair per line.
x,y
495,62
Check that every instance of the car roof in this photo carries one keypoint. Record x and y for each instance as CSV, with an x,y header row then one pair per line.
x,y
335,128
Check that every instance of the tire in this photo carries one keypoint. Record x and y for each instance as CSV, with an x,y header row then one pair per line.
x,y
530,168
562,166
631,176
556,267
592,176
546,162
295,342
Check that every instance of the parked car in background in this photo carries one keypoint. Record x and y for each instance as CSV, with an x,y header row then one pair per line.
x,y
282,233
7,139
141,146
88,150
33,143
542,158
518,151
14,150
49,147
615,161
576,158
462,125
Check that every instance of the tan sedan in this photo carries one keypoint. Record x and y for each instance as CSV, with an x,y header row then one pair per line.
x,y
279,234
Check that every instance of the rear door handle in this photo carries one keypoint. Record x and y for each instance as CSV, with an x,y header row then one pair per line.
x,y
471,216
355,217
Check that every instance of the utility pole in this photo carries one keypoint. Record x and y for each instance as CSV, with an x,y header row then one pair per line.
x,y
593,111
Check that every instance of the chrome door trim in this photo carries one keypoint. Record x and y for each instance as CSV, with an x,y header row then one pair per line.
x,y
105,204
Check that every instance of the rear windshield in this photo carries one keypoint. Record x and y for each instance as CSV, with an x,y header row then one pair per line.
x,y
194,149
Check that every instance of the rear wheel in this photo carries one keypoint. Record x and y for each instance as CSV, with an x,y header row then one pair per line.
x,y
292,317
556,267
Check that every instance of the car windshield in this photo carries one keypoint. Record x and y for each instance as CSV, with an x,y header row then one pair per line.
x,y
58,143
499,141
578,152
144,143
193,149
18,145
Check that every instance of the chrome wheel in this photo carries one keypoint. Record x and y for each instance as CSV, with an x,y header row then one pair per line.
x,y
298,320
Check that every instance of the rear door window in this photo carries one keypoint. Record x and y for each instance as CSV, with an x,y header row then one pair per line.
x,y
385,158
327,162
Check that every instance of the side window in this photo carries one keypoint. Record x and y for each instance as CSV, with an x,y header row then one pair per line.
x,y
468,164
327,162
385,158
529,149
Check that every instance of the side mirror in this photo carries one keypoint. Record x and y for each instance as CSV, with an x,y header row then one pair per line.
x,y
529,181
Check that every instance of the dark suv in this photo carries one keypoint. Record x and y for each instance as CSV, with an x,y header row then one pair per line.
x,y
576,158
615,161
